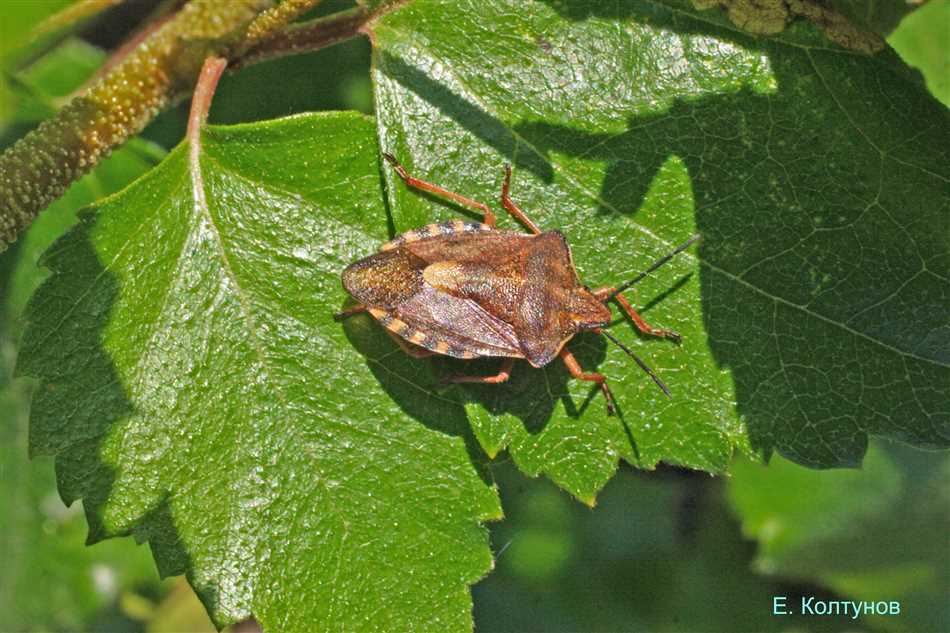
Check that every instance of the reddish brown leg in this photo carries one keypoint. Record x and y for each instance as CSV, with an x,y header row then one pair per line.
x,y
575,368
411,181
503,373
643,326
412,350
511,207
339,316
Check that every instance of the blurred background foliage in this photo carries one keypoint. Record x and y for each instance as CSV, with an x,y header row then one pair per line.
x,y
669,550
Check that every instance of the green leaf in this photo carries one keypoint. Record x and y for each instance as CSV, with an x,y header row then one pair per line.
x,y
923,41
876,534
51,580
816,313
198,394
15,32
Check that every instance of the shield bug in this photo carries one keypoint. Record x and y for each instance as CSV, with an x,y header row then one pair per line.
x,y
470,290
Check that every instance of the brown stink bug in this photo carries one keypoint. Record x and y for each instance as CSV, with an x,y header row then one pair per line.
x,y
469,290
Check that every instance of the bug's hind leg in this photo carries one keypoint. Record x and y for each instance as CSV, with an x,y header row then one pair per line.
x,y
575,368
511,207
503,374
603,293
411,181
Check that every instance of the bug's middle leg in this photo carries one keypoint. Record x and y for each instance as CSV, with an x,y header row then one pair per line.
x,y
643,326
575,369
412,181
503,374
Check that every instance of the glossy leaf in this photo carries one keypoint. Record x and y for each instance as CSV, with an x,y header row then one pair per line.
x,y
198,393
816,312
51,579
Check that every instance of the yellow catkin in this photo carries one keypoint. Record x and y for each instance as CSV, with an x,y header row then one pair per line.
x,y
274,19
38,168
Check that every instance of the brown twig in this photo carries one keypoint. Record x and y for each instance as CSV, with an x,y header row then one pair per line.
x,y
122,53
306,37
275,19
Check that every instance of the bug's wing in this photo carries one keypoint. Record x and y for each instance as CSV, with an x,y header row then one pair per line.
x,y
453,326
524,279
391,276
385,279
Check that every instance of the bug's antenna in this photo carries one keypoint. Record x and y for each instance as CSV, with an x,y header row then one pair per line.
x,y
643,366
679,249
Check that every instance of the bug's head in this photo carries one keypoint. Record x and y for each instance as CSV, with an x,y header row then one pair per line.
x,y
587,312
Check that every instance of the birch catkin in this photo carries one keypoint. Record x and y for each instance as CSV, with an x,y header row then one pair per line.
x,y
39,168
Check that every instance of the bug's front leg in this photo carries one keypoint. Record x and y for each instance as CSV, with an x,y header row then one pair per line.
x,y
603,293
511,207
503,374
412,181
575,368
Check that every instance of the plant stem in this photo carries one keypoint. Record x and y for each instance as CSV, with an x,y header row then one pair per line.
x,y
306,37
272,20
123,52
